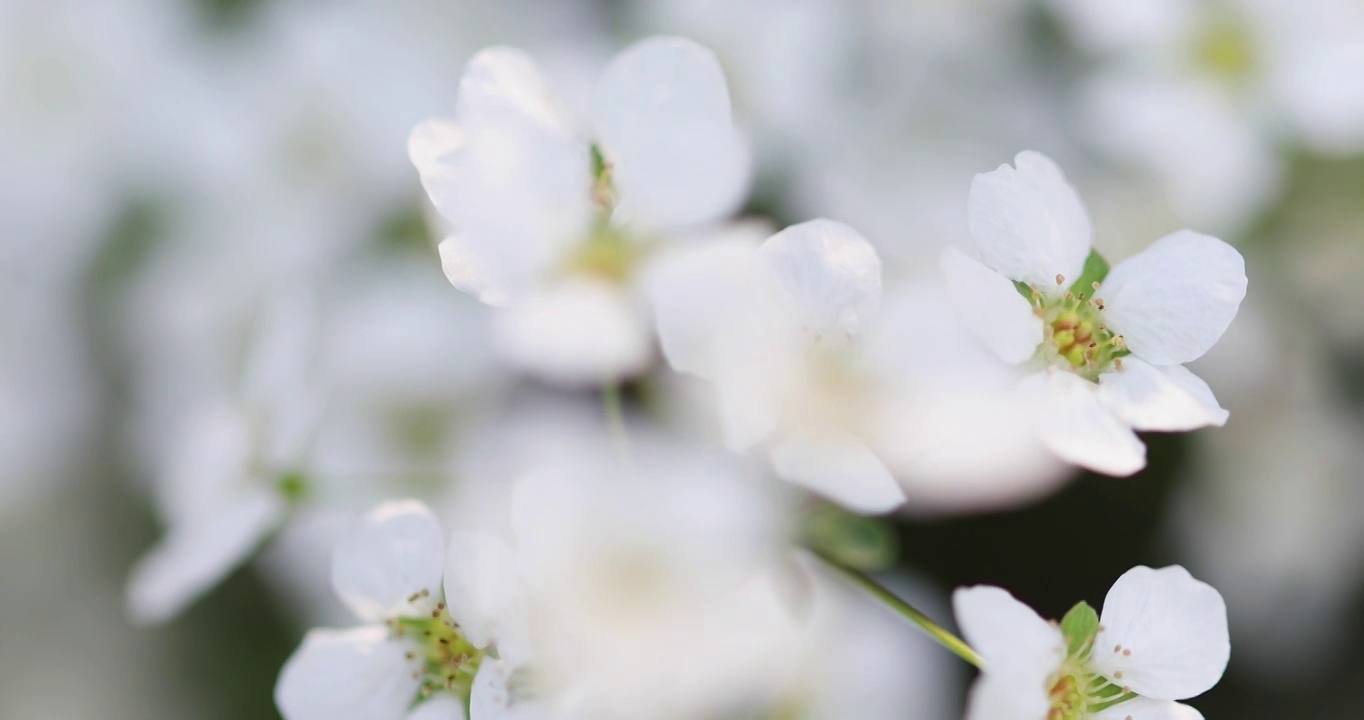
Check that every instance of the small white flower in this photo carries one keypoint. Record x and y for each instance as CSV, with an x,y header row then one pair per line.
x,y
551,217
1101,361
391,572
1162,637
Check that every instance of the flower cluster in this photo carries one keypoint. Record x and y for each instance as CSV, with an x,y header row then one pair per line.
x,y
645,561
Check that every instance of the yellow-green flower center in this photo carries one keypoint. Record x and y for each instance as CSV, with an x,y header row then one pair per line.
x,y
1074,334
1224,48
448,661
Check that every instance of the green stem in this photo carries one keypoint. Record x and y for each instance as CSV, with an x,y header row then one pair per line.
x,y
909,612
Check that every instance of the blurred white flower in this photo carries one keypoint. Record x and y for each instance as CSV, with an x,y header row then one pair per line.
x,y
1162,637
646,571
232,469
390,572
553,218
1201,94
1097,367
845,395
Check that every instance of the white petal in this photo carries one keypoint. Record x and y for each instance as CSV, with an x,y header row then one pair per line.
x,y
1028,223
493,698
839,467
1078,428
1159,398
357,674
198,552
1006,632
1172,630
664,123
1172,301
433,144
504,82
702,296
831,272
395,552
439,707
575,332
1010,694
1020,649
511,177
462,269
989,304
484,593
1140,708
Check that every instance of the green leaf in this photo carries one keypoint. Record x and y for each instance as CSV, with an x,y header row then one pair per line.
x,y
1096,269
1080,625
866,544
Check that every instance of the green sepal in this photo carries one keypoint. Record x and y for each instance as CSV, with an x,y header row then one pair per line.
x,y
1025,290
862,543
1096,269
598,163
1079,626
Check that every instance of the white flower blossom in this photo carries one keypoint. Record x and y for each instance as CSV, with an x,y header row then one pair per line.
x,y
552,216
392,572
1162,637
1102,360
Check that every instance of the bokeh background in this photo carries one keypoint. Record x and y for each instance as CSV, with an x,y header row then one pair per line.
x,y
170,168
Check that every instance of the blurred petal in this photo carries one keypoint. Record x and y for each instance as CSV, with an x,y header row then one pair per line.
x,y
198,552
576,332
483,591
495,698
1078,428
665,126
832,273
702,296
1172,631
1159,398
1140,708
462,269
989,304
512,177
357,674
839,467
1172,301
395,553
1028,223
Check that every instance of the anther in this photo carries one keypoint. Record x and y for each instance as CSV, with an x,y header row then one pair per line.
x,y
425,593
1117,648
1118,675
1117,363
446,641
435,614
1099,302
1095,284
414,597
1127,652
1060,279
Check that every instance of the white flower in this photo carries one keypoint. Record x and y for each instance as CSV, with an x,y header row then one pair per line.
x,y
232,469
645,571
1101,361
1162,637
1200,94
389,573
810,363
551,217
779,331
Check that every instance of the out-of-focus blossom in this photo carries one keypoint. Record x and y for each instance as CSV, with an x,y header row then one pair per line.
x,y
1097,367
1201,95
637,560
552,217
1162,637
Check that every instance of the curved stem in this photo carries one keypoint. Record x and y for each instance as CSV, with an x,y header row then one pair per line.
x,y
907,611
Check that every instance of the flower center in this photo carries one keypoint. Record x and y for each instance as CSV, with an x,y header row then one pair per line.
x,y
1075,336
1075,693
1224,49
445,660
